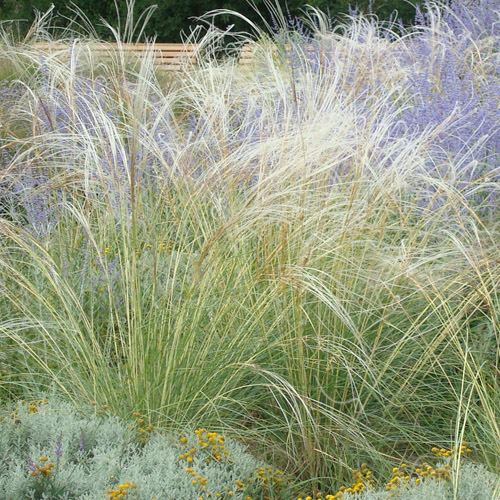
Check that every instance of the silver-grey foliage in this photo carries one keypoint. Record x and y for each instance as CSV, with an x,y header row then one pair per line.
x,y
475,482
93,454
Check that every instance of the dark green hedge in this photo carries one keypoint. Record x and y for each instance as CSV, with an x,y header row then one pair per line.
x,y
172,16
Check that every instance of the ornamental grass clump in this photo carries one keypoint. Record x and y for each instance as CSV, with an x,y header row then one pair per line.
x,y
294,254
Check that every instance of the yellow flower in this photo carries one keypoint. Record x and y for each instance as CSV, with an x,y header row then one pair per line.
x,y
183,440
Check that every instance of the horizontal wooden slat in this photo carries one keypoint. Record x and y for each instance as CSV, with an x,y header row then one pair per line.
x,y
165,55
136,52
124,45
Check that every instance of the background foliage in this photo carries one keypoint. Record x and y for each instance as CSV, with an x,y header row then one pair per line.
x,y
173,16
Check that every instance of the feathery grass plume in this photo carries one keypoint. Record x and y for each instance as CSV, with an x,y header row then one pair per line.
x,y
273,250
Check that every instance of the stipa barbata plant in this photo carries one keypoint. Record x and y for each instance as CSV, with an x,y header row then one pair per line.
x,y
49,450
264,250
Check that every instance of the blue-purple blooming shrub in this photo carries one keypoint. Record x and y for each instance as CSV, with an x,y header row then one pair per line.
x,y
448,87
440,79
448,93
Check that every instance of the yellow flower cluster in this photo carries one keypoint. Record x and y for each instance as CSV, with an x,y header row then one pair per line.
x,y
202,482
400,475
120,491
212,443
44,470
188,456
462,450
270,479
144,429
198,479
426,470
162,246
32,406
362,479
441,452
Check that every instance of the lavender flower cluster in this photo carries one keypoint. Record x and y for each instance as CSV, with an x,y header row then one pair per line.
x,y
444,88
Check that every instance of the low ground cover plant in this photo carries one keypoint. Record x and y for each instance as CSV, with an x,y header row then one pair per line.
x,y
301,254
49,450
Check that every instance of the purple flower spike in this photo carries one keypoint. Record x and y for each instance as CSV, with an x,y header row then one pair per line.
x,y
58,451
31,465
81,445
